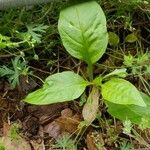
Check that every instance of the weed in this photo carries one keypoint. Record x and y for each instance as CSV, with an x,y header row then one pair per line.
x,y
19,68
65,143
127,127
33,34
87,41
14,132
126,146
139,66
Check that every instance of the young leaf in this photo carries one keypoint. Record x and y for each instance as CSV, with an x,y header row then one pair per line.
x,y
113,39
131,38
59,87
120,91
84,33
117,72
89,111
128,60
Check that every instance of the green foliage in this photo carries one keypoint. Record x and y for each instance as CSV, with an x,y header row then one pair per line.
x,y
84,36
5,42
131,38
120,91
113,39
59,87
19,33
138,64
136,114
126,5
127,127
65,143
31,37
33,34
14,132
35,30
128,60
126,146
13,73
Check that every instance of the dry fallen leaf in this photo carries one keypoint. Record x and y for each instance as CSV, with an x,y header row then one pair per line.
x,y
47,113
20,144
67,123
90,108
54,129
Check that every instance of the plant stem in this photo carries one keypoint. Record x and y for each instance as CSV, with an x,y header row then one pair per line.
x,y
90,71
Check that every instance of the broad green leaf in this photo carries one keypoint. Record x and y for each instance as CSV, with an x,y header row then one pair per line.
x,y
83,31
136,114
90,108
113,39
60,87
120,91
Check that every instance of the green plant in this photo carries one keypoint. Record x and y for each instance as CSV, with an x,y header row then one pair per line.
x,y
14,132
5,42
35,30
126,146
64,143
126,5
139,66
85,37
19,68
127,127
31,37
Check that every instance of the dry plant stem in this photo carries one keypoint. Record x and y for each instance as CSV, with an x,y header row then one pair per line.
x,y
13,54
142,80
37,77
40,70
140,139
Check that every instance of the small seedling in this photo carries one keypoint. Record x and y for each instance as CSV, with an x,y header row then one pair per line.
x,y
14,132
65,143
126,146
127,127
19,68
